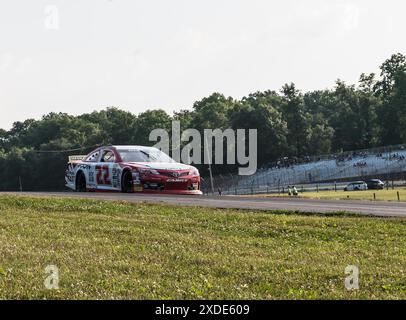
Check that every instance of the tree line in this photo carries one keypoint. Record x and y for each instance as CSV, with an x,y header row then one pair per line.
x,y
290,123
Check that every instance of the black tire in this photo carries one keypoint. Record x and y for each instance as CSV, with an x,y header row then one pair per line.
x,y
80,182
127,182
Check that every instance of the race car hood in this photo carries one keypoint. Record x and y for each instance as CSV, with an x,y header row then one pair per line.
x,y
161,165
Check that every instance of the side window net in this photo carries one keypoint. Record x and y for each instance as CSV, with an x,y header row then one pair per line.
x,y
108,156
93,157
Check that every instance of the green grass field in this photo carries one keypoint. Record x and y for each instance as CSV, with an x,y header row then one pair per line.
x,y
108,250
380,195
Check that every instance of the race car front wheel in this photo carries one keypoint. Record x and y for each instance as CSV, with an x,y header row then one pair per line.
x,y
81,182
127,182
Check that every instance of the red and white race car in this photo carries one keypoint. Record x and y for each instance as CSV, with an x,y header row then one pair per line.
x,y
131,169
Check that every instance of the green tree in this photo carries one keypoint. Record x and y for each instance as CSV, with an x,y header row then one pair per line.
x,y
148,121
212,112
389,72
272,129
390,89
321,135
118,126
297,119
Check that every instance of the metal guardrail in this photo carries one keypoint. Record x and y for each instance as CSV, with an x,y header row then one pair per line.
x,y
302,188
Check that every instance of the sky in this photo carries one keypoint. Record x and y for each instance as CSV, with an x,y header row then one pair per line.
x,y
78,56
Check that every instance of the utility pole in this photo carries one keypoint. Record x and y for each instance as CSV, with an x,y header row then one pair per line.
x,y
21,185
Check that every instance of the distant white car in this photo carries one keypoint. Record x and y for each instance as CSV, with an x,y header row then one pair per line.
x,y
356,186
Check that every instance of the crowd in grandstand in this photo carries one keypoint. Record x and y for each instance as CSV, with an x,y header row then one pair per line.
x,y
360,164
396,156
289,162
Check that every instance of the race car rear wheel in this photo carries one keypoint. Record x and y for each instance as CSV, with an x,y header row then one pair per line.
x,y
127,182
80,182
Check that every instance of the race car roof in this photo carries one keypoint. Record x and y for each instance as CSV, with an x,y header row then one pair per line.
x,y
132,147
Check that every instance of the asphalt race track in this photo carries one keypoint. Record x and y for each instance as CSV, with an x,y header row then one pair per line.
x,y
382,209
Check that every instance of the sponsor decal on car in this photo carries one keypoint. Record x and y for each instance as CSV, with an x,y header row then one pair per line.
x,y
116,174
70,173
76,158
137,182
138,187
176,180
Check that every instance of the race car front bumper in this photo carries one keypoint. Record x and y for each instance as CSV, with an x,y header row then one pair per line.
x,y
184,186
177,192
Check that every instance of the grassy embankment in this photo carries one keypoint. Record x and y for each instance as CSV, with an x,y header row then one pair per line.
x,y
108,250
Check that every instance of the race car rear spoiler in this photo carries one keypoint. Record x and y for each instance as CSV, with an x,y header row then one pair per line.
x,y
76,158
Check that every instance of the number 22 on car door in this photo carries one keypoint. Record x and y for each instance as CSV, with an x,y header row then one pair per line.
x,y
103,178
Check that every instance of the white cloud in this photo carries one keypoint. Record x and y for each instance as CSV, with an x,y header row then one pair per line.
x,y
141,54
351,17
6,60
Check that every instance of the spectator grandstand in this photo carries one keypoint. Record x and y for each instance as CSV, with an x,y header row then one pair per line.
x,y
356,165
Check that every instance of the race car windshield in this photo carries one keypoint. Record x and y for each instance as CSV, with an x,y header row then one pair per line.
x,y
144,156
